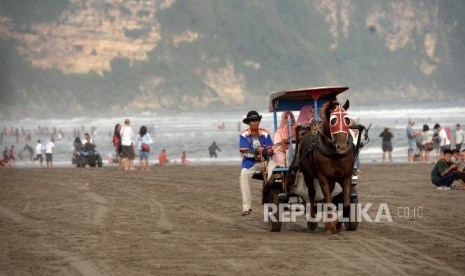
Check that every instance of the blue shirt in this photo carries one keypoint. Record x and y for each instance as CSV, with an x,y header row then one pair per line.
x,y
144,139
247,141
410,133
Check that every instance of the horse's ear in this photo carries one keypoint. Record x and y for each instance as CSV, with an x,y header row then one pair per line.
x,y
346,105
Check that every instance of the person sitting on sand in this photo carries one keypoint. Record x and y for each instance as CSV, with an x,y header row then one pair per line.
x,y
4,163
162,158
445,172
461,166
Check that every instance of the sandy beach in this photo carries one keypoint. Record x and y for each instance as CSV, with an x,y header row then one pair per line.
x,y
177,220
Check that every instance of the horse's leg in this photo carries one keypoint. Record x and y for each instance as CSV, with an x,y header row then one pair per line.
x,y
330,226
345,202
339,223
346,188
312,225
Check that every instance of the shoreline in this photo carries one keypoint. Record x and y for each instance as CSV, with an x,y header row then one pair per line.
x,y
65,164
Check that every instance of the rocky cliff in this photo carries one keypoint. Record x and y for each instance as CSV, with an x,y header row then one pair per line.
x,y
137,55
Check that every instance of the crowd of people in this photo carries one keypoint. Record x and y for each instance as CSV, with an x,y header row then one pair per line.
x,y
126,143
129,145
424,142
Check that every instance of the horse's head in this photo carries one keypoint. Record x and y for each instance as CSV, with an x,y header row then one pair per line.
x,y
339,125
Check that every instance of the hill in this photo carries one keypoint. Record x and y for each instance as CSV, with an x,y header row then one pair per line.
x,y
103,56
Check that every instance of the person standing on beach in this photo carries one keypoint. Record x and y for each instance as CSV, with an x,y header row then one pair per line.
x,y
411,134
30,151
143,142
127,150
444,142
445,172
49,147
212,149
6,155
118,146
255,145
184,158
459,137
387,143
427,142
39,152
11,156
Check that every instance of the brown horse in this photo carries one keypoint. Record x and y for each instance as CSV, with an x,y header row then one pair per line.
x,y
328,155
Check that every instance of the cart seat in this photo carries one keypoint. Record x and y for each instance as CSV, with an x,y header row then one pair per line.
x,y
280,170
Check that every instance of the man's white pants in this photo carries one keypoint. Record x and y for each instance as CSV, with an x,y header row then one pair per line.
x,y
244,181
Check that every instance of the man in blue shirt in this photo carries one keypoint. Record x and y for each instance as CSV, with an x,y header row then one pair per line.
x,y
254,144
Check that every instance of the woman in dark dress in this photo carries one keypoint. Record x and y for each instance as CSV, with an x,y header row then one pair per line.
x,y
117,144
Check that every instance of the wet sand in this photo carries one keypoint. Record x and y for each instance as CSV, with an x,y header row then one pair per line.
x,y
178,220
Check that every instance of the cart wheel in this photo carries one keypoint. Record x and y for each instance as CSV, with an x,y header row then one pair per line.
x,y
273,219
352,225
99,162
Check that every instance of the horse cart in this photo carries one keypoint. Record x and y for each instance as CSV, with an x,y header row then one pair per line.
x,y
320,156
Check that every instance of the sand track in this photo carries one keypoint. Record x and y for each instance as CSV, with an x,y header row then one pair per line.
x,y
186,221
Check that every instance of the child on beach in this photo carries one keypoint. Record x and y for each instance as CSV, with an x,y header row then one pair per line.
x,y
162,158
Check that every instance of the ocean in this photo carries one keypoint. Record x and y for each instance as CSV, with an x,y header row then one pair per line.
x,y
195,131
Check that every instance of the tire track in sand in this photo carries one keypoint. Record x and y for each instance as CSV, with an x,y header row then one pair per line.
x,y
405,252
437,235
162,222
203,213
102,208
84,267
380,257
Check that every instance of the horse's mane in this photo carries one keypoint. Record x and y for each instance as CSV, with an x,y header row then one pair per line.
x,y
325,110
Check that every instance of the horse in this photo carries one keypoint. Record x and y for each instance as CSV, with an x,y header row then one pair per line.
x,y
328,155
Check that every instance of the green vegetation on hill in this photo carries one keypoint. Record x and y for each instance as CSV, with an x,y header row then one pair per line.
x,y
287,43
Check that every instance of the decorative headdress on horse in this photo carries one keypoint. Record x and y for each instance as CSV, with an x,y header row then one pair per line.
x,y
339,121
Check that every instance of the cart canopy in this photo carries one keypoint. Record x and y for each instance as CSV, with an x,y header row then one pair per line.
x,y
295,99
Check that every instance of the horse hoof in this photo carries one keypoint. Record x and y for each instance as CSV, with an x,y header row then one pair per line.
x,y
338,227
312,225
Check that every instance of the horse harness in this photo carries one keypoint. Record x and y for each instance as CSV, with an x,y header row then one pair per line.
x,y
317,142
